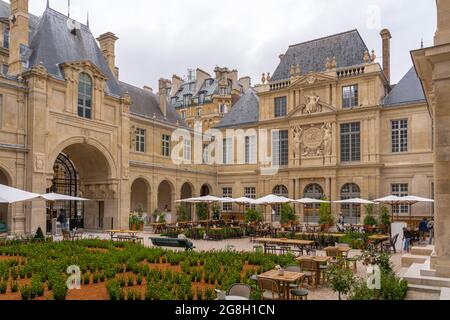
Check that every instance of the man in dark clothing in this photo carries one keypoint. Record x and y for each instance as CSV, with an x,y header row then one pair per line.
x,y
423,229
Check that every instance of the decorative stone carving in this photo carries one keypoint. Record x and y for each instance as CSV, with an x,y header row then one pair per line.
x,y
268,78
311,79
292,71
313,141
263,78
132,137
312,105
298,71
366,57
373,56
39,162
333,63
298,135
328,64
327,139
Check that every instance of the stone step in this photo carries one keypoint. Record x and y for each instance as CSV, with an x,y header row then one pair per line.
x,y
422,251
425,289
413,277
445,294
409,259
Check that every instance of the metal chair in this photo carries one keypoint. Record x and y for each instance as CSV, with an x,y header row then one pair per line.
x,y
270,289
240,290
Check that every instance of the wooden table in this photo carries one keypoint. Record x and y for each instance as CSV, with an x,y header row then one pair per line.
x,y
132,233
301,244
285,280
342,250
379,239
158,226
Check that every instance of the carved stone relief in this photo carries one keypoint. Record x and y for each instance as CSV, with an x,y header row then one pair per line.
x,y
312,141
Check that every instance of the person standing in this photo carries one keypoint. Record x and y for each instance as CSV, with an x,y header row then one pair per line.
x,y
407,236
431,230
423,229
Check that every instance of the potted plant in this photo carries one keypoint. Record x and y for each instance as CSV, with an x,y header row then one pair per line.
x,y
253,216
202,211
385,218
370,221
341,278
182,213
215,211
133,221
287,215
326,219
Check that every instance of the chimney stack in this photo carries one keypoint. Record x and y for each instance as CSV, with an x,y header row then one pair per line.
x,y
386,37
19,34
164,87
148,88
107,43
177,82
442,35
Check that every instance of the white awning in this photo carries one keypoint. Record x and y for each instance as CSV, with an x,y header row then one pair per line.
x,y
272,200
206,199
244,200
311,201
61,197
355,201
13,195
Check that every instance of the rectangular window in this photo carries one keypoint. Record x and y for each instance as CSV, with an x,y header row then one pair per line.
x,y
280,107
1,111
350,96
399,136
222,108
187,100
280,148
250,150
351,142
187,149
206,154
227,193
201,98
5,69
251,194
400,190
223,91
140,140
183,115
6,37
227,151
166,145
199,112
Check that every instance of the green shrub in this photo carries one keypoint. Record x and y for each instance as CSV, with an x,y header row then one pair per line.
x,y
370,221
253,216
3,287
25,292
202,211
59,290
139,279
130,281
86,279
325,215
37,287
133,294
287,214
115,291
39,234
14,287
341,278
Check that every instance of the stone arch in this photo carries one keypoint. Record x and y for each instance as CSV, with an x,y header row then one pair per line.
x,y
140,196
351,212
311,211
206,190
5,211
187,191
88,143
166,197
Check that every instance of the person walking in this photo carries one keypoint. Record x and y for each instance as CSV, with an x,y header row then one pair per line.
x,y
407,236
423,229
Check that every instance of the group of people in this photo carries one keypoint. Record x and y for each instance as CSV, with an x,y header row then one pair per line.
x,y
426,227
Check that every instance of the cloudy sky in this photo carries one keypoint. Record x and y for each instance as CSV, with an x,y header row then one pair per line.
x,y
159,38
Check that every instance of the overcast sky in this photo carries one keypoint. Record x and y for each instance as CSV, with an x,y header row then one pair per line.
x,y
159,38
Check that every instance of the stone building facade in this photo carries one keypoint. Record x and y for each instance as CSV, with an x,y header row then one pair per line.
x,y
337,127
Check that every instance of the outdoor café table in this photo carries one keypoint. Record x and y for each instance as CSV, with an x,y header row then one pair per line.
x,y
301,244
342,250
285,279
379,239
320,260
157,227
132,233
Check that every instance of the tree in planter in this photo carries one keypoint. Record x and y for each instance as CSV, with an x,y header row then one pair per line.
x,y
202,211
325,216
215,211
183,213
161,215
341,278
287,214
370,219
253,216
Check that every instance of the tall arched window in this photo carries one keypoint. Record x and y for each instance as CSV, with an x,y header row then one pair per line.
x,y
85,96
311,211
281,191
351,212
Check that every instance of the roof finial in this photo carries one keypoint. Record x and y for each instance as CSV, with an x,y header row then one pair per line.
x,y
48,3
68,8
421,44
87,22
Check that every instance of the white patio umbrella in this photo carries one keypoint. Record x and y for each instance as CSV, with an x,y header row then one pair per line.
x,y
244,200
12,195
60,197
272,200
355,201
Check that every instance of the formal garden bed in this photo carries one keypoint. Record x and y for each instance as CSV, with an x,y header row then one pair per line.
x,y
123,271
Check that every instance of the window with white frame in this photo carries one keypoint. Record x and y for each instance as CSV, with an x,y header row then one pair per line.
x,y
227,151
85,96
183,114
250,150
206,154
223,108
165,145
399,135
400,190
227,193
250,192
351,142
280,148
350,96
187,149
140,140
280,107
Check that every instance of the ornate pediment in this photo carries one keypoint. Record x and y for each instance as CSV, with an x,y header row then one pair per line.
x,y
83,66
312,106
312,79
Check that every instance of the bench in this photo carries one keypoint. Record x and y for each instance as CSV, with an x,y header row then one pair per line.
x,y
173,243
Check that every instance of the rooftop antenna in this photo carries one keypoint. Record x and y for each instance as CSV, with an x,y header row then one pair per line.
x,y
68,8
48,3
421,44
87,22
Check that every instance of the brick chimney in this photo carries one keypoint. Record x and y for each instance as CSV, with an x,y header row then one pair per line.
x,y
442,35
19,33
177,82
164,87
107,43
386,37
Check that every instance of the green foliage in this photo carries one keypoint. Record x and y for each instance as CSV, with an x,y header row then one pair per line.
x,y
133,295
39,234
60,290
325,215
3,286
253,216
370,219
380,259
385,216
14,287
355,240
182,213
341,278
115,291
37,287
25,292
202,211
287,214
161,215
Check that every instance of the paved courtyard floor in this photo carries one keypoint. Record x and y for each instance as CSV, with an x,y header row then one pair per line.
x,y
244,245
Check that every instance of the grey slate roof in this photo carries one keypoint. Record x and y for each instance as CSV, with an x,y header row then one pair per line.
x,y
190,87
408,90
347,47
53,44
5,13
146,104
245,111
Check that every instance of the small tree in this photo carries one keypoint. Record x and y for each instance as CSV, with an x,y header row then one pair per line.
x,y
253,216
325,215
215,211
202,211
39,234
370,219
341,278
287,214
182,211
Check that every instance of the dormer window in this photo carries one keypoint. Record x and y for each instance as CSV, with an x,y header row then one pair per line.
x,y
85,96
223,91
201,98
187,100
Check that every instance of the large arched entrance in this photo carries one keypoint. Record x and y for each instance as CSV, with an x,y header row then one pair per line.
x,y
205,190
140,197
165,199
4,208
82,170
311,211
351,212
186,208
